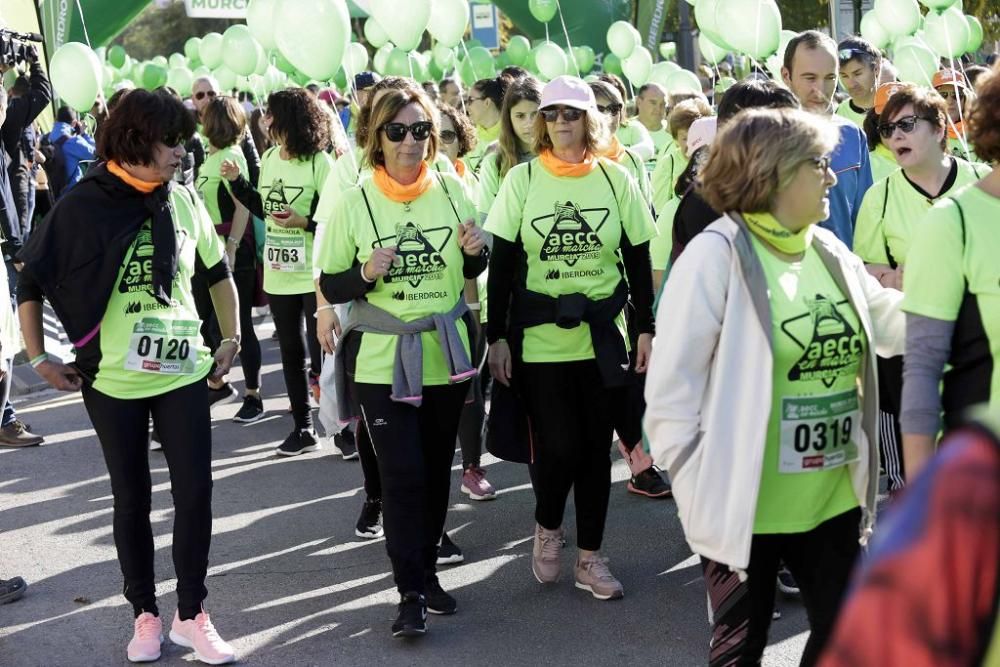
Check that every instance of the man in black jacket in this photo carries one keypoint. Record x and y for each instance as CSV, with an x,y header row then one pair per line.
x,y
19,112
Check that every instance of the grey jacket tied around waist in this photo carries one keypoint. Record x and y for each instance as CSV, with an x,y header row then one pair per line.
x,y
408,367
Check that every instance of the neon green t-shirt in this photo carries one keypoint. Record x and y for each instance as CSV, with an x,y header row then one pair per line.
x,y
637,169
661,140
426,277
960,150
883,162
485,136
892,207
661,246
815,425
632,133
148,349
847,110
668,169
209,181
571,229
948,261
288,252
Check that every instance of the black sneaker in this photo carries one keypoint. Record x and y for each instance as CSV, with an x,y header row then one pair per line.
x,y
225,394
298,442
12,589
649,483
787,583
252,410
448,551
344,444
369,524
412,618
438,600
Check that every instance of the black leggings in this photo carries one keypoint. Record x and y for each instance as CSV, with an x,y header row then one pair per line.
x,y
288,311
570,412
415,447
472,427
820,560
181,418
246,287
369,462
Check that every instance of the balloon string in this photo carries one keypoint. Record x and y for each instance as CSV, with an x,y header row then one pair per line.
x,y
83,23
756,36
546,31
354,92
569,47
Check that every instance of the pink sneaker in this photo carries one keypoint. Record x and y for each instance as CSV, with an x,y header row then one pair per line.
x,y
475,484
199,634
146,640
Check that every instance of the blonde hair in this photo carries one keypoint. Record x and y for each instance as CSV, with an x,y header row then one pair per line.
x,y
596,138
757,153
687,112
390,104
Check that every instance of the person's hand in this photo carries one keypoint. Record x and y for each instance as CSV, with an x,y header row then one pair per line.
x,y
224,360
643,348
471,238
893,279
290,219
327,329
31,54
500,362
380,263
59,375
229,170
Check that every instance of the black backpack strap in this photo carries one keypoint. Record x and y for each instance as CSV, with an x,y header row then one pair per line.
x,y
885,205
371,217
608,179
448,195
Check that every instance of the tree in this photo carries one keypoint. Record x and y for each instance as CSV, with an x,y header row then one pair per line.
x,y
163,31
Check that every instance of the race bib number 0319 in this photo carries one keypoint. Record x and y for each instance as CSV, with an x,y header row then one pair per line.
x,y
286,253
819,432
164,346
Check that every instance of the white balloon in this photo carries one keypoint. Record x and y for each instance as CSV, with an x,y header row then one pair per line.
x,y
260,20
404,22
448,21
328,25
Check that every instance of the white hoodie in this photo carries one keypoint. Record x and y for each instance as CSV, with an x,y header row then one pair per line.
x,y
708,388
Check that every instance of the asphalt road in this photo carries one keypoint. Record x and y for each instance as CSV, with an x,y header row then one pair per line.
x,y
289,584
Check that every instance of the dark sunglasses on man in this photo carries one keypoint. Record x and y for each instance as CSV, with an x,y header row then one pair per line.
x,y
200,95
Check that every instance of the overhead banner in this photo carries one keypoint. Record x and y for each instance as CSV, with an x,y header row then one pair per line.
x,y
652,15
216,9
104,20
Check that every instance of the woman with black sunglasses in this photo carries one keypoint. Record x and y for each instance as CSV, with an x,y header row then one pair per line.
x,y
568,226
399,247
292,174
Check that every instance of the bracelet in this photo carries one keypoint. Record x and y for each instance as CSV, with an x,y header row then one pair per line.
x,y
235,242
39,360
364,277
320,309
234,341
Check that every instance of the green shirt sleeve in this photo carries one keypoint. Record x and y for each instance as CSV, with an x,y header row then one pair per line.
x,y
210,248
660,247
338,249
934,281
489,184
504,219
869,235
637,221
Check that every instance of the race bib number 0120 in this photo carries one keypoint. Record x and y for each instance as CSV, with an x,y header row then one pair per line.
x,y
167,347
285,252
819,432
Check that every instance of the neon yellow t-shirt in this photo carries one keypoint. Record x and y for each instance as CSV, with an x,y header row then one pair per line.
x,y
815,424
571,229
634,166
661,140
426,277
660,247
890,210
486,136
288,253
948,264
669,167
632,133
209,181
883,162
148,349
848,111
960,150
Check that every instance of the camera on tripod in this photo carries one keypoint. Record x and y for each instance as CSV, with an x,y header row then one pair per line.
x,y
17,47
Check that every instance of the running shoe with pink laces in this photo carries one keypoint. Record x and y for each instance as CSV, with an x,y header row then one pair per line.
x,y
475,484
199,634
147,638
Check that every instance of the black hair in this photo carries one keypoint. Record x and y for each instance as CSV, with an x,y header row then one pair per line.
x,y
66,114
493,89
140,121
857,48
300,122
754,93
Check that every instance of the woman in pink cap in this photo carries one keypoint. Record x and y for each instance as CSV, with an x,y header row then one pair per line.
x,y
568,227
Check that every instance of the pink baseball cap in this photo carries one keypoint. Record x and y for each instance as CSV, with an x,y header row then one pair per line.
x,y
568,91
701,133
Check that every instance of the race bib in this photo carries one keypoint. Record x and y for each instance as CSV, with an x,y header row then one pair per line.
x,y
168,347
286,252
819,432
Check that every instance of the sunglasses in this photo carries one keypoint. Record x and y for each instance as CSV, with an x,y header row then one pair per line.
x,y
396,132
906,124
610,109
201,94
448,136
569,115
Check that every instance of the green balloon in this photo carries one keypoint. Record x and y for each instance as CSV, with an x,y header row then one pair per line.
x,y
435,72
543,10
668,50
281,62
916,64
481,61
662,70
404,22
374,33
443,57
239,50
705,16
153,76
226,78
340,79
191,48
355,58
180,79
396,64
752,27
550,60
947,32
176,60
683,81
585,57
117,56
381,58
711,52
898,17
874,31
210,50
976,32
448,21
638,66
159,60
313,34
518,48
76,75
623,39
612,64
937,4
